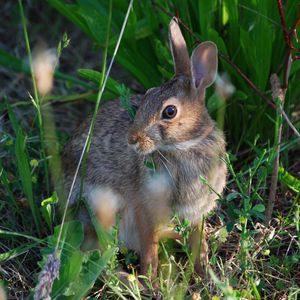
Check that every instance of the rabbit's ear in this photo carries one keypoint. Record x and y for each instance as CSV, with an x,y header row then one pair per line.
x,y
204,63
178,48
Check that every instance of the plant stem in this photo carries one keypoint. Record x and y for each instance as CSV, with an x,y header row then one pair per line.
x,y
278,96
36,97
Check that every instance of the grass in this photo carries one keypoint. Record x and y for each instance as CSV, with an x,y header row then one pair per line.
x,y
248,260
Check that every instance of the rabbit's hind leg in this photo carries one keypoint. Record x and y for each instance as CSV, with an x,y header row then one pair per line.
x,y
149,239
140,231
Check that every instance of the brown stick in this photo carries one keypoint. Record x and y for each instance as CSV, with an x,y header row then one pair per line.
x,y
288,41
277,92
283,24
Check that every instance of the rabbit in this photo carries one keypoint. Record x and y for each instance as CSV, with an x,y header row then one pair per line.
x,y
173,127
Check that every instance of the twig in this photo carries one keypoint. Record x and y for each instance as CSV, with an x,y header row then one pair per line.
x,y
249,82
295,57
289,43
283,23
278,94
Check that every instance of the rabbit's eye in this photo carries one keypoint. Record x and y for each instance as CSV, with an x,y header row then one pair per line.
x,y
169,112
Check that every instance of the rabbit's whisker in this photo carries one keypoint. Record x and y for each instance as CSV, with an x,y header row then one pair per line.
x,y
167,169
167,161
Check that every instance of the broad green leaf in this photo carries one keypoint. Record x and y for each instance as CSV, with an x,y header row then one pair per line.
x,y
263,35
96,23
93,265
71,239
230,13
165,59
69,272
206,16
72,236
259,208
69,11
247,45
230,19
214,36
233,196
288,179
295,67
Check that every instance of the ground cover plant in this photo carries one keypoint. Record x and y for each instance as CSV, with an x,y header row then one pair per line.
x,y
254,232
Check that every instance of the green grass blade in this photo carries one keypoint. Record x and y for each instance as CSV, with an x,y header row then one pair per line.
x,y
5,181
13,253
12,234
12,118
95,76
289,180
25,175
69,11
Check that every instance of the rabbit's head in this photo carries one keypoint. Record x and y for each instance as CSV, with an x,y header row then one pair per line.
x,y
173,116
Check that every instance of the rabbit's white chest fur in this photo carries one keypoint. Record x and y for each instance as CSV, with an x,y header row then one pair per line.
x,y
190,196
197,198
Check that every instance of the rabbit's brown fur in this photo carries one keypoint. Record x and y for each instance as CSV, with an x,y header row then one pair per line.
x,y
184,148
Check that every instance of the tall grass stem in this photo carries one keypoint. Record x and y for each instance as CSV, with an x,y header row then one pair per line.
x,y
278,96
38,103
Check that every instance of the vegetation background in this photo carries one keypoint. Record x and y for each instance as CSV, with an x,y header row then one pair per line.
x,y
254,254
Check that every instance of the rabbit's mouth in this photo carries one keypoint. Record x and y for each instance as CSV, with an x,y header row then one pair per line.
x,y
141,143
143,148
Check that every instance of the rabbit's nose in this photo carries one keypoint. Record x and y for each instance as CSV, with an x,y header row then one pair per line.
x,y
140,142
133,139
